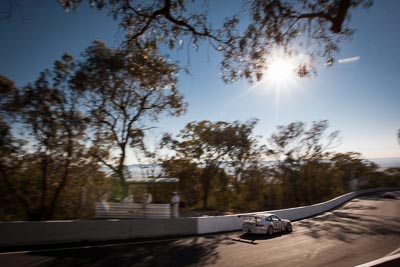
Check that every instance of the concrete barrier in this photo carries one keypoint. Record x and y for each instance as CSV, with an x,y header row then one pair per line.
x,y
217,224
299,213
214,224
48,232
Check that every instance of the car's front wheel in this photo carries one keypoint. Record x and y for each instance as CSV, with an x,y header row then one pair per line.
x,y
270,230
289,228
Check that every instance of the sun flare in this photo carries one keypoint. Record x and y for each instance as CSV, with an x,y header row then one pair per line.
x,y
280,75
281,72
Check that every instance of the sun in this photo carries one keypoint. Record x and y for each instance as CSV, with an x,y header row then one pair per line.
x,y
280,75
281,72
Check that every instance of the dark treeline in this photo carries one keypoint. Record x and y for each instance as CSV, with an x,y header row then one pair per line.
x,y
305,170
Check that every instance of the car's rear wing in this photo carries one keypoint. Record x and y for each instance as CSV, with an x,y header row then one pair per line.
x,y
252,215
247,215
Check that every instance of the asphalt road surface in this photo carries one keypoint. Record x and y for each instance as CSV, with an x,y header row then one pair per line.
x,y
362,230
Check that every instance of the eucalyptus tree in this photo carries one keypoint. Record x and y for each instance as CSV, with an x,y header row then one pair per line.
x,y
295,142
214,146
351,165
10,147
46,116
245,149
203,143
188,173
246,39
302,159
125,91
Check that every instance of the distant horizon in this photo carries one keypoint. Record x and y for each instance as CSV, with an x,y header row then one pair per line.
x,y
371,159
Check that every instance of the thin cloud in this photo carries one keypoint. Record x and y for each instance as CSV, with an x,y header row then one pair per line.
x,y
349,59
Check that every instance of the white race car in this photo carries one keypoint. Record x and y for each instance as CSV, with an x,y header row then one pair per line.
x,y
265,223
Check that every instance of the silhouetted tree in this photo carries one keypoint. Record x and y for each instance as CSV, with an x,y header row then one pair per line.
x,y
124,91
318,26
46,143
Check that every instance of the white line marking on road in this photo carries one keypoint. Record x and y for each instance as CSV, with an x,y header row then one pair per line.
x,y
393,252
15,252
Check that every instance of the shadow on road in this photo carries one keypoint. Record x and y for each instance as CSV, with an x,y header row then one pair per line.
x,y
345,224
252,238
174,253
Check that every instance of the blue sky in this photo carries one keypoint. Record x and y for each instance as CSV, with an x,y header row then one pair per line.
x,y
361,99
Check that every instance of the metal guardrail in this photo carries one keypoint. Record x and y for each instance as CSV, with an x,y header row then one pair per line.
x,y
132,210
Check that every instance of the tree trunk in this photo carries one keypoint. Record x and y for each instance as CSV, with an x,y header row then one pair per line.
x,y
120,170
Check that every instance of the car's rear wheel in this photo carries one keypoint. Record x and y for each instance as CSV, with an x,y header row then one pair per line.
x,y
289,228
270,230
